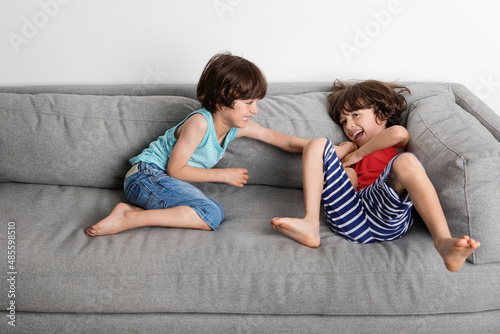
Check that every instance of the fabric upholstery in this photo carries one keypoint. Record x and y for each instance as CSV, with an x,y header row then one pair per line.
x,y
64,151
461,158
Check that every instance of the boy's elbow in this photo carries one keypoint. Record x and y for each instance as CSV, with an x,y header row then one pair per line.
x,y
172,172
296,145
400,134
301,144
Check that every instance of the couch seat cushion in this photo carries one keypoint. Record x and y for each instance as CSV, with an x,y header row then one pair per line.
x,y
245,267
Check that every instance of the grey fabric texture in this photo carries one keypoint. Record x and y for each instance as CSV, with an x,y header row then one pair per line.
x,y
64,152
86,140
182,323
304,116
477,108
80,140
462,160
245,267
184,90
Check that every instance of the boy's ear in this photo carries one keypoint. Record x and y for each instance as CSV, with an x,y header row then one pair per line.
x,y
381,121
219,107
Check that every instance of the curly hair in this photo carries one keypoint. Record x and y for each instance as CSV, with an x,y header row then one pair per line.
x,y
227,78
386,99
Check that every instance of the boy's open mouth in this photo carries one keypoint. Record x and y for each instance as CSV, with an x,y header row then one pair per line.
x,y
357,135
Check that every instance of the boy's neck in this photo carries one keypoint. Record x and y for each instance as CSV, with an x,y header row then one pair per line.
x,y
221,129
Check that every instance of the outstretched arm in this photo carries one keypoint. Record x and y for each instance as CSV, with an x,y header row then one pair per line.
x,y
395,135
284,142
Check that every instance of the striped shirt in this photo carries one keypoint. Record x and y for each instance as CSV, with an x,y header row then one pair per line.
x,y
206,155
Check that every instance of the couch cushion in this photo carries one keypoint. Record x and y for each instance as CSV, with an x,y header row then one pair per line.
x,y
86,140
80,140
245,267
302,115
461,158
421,91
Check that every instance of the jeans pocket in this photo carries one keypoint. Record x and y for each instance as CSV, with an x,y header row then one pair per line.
x,y
130,192
137,194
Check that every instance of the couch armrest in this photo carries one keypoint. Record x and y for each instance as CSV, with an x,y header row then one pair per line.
x,y
476,107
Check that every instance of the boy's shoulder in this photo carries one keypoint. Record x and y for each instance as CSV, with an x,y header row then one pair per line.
x,y
194,122
197,118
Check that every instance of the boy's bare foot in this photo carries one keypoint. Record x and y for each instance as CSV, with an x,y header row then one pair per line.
x,y
455,251
304,231
112,224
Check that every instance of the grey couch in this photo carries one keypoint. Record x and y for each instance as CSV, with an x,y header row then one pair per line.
x,y
64,151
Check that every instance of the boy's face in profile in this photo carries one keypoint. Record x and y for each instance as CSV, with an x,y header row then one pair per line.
x,y
239,115
361,125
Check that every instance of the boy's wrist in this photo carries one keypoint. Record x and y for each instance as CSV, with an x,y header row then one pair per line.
x,y
349,146
359,154
221,175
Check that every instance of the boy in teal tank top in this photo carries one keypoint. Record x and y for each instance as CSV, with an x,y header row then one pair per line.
x,y
158,184
206,155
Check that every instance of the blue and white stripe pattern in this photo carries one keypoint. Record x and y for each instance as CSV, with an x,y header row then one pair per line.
x,y
375,213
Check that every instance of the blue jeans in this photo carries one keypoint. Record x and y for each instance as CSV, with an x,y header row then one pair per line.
x,y
151,188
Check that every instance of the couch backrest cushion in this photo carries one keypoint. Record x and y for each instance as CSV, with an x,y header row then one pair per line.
x,y
303,115
86,140
80,140
462,159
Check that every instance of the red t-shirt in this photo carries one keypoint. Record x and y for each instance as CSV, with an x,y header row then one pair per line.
x,y
370,168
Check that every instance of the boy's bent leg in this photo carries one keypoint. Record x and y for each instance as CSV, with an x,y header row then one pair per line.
x,y
178,217
202,213
306,230
179,203
125,217
169,203
408,174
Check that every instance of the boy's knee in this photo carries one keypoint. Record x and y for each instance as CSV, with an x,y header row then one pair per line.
x,y
209,210
213,211
218,211
407,163
316,145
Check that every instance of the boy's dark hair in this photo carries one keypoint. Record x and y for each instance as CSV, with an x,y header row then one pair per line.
x,y
227,78
386,99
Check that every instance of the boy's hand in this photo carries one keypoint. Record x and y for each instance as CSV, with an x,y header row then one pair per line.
x,y
349,145
236,176
345,148
351,159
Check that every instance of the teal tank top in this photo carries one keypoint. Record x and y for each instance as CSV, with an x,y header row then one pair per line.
x,y
206,155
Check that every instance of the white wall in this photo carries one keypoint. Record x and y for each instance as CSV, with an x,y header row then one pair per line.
x,y
127,41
